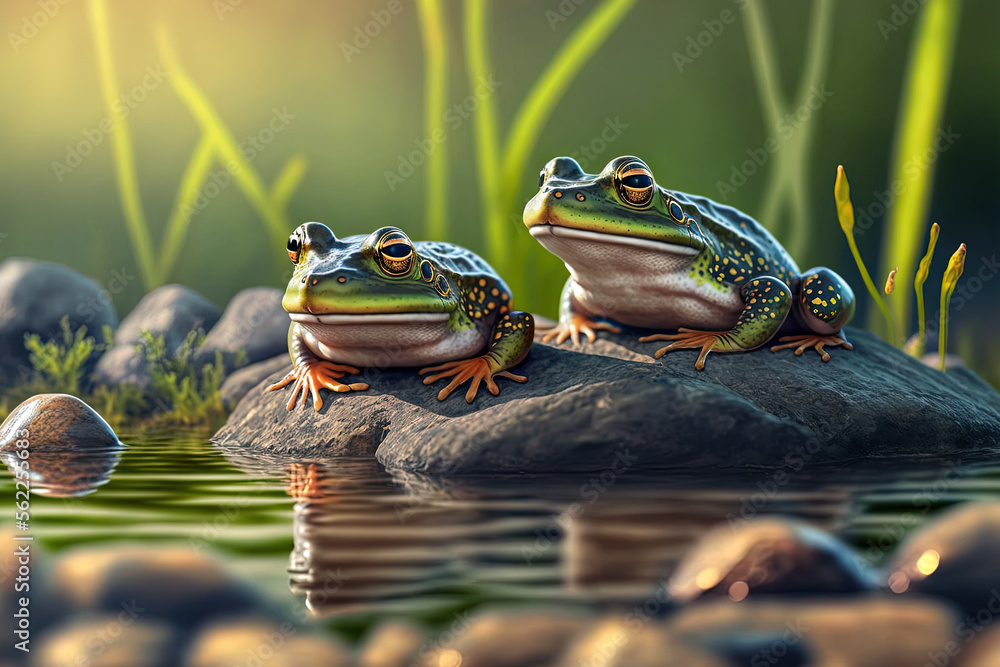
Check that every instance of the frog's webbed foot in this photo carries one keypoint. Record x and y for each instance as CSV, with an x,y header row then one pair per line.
x,y
577,324
803,342
310,375
689,339
477,369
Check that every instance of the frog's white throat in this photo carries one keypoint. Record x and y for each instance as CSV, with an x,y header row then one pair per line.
x,y
386,339
639,282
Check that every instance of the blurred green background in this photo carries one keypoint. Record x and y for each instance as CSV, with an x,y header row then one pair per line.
x,y
356,116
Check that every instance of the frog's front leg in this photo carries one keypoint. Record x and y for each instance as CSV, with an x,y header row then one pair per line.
x,y
310,373
825,305
509,344
767,302
574,321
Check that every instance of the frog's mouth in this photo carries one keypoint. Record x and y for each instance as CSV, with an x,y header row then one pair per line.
x,y
548,230
334,319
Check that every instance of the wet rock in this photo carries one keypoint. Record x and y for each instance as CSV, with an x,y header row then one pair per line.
x,y
633,641
124,639
262,642
767,557
864,631
56,423
578,410
34,297
253,322
489,640
392,644
176,584
237,385
171,311
956,556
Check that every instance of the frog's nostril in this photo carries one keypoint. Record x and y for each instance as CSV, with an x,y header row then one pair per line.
x,y
315,281
341,279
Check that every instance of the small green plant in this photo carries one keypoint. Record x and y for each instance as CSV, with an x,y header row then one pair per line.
x,y
190,394
920,342
60,364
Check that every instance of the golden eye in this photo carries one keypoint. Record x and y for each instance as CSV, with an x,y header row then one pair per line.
x,y
634,184
395,254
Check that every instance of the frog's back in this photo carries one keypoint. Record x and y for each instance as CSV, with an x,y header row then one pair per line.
x,y
731,226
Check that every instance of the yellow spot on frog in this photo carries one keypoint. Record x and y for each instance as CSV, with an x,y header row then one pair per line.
x,y
732,271
816,301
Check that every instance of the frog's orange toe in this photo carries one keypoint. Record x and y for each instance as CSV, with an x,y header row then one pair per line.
x,y
311,376
477,370
804,342
689,339
578,324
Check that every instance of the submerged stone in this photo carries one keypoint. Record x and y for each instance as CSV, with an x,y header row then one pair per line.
x,y
580,410
56,423
956,556
768,557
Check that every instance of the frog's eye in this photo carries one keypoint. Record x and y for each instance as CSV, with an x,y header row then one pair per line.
x,y
634,184
294,246
395,254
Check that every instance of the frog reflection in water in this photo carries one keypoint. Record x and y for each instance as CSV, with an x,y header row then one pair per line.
x,y
648,257
381,300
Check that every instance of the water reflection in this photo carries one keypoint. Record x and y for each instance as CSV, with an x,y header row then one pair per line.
x,y
66,474
368,542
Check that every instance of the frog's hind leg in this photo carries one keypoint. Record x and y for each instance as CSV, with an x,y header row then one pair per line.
x,y
767,302
825,305
512,337
573,321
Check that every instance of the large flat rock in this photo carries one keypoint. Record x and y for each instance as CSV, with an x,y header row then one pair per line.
x,y
581,409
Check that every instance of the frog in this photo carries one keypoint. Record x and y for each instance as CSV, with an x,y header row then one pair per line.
x,y
704,275
381,300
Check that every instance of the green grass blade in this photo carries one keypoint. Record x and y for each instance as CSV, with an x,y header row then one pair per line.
x,y
288,181
548,90
194,176
763,62
121,143
920,112
435,41
486,134
244,175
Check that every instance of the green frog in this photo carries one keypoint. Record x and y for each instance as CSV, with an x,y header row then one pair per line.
x,y
641,255
382,300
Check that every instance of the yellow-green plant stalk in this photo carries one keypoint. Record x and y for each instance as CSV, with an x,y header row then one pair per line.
x,y
918,287
956,265
435,39
845,213
921,109
121,145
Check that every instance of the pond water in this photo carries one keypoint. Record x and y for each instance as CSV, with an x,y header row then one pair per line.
x,y
356,544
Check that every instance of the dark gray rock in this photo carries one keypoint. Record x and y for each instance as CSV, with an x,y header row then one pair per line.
x,y
956,556
34,297
56,423
254,322
767,557
577,410
171,311
236,385
861,631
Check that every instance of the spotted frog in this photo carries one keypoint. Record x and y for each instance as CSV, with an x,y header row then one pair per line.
x,y
641,255
382,300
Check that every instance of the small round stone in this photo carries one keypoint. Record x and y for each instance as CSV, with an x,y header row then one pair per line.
x,y
56,423
955,556
768,556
